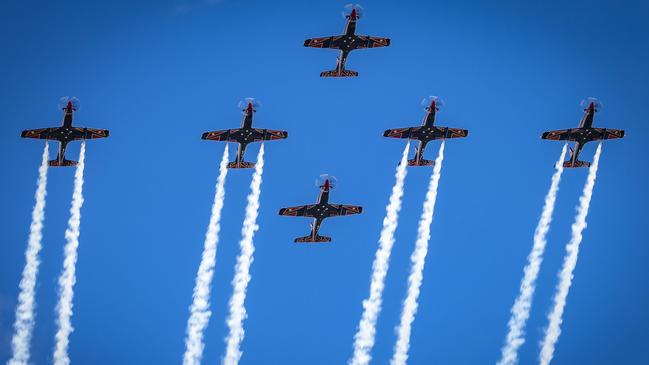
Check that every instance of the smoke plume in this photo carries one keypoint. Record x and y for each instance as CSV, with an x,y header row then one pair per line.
x,y
200,309
418,259
364,338
520,311
242,269
569,262
25,316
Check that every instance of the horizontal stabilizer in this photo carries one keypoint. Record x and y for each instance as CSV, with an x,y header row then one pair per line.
x,y
310,239
421,162
62,163
241,165
569,164
338,73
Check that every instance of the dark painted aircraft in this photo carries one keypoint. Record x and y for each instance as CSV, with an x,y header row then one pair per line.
x,y
583,134
426,133
319,211
346,43
245,135
65,134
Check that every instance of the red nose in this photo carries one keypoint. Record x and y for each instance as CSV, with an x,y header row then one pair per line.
x,y
69,107
432,105
326,184
249,106
353,14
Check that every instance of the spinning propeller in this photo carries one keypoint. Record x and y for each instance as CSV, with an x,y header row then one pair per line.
x,y
320,181
428,101
63,102
348,10
586,103
243,104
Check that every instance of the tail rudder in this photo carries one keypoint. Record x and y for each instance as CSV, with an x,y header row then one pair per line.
x,y
310,239
570,164
241,165
64,162
421,162
338,73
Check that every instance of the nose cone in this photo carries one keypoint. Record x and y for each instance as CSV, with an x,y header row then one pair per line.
x,y
249,108
353,14
433,105
591,106
327,185
69,106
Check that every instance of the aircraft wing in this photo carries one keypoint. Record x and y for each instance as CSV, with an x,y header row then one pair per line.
x,y
342,209
453,132
401,132
41,133
372,42
417,133
605,133
222,135
78,133
562,134
590,134
88,133
299,211
322,42
232,135
269,134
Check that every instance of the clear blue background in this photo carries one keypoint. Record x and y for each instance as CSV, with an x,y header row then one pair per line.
x,y
159,73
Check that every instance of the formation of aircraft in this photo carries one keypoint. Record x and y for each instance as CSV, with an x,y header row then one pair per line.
x,y
319,211
65,134
322,209
245,135
583,134
426,132
346,42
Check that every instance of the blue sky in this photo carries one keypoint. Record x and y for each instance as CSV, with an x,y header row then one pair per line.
x,y
158,74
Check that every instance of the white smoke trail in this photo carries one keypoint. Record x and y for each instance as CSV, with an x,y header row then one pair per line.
x,y
418,259
569,262
200,309
242,270
24,323
68,275
520,311
364,338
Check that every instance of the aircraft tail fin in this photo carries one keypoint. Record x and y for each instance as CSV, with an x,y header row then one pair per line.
x,y
338,73
570,164
241,165
421,162
310,239
63,162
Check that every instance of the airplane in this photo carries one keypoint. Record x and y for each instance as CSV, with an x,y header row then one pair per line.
x,y
426,133
583,134
245,135
65,134
346,43
319,211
